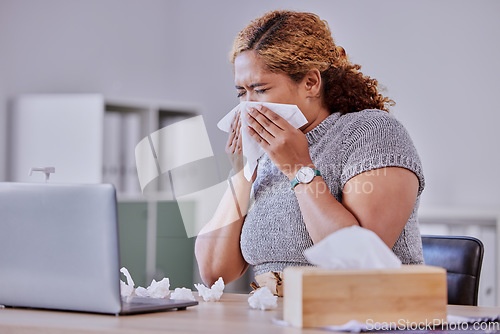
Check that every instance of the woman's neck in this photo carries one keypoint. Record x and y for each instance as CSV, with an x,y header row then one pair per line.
x,y
321,115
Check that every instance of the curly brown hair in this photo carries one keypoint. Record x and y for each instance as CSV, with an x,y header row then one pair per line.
x,y
294,43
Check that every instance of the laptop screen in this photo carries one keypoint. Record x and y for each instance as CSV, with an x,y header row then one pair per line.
x,y
59,247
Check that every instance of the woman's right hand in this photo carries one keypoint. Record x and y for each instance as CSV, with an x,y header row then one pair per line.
x,y
233,145
234,148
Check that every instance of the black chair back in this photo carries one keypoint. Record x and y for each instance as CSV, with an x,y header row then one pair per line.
x,y
462,257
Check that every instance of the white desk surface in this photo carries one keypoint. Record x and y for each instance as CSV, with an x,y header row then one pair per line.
x,y
230,315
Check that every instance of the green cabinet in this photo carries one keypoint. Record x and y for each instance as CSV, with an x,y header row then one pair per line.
x,y
174,250
132,230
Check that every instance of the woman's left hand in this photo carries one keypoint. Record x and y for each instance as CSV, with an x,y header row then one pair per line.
x,y
286,146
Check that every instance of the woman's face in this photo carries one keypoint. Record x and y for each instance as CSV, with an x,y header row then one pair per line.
x,y
254,82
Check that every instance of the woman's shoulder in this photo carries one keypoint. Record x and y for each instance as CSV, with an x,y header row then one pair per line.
x,y
374,139
370,121
367,115
364,123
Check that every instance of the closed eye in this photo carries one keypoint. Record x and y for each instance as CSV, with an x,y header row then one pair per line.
x,y
242,90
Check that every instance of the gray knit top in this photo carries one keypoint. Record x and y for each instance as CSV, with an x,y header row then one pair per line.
x,y
274,234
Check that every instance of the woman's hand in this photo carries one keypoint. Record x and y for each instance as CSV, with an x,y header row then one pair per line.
x,y
286,146
233,145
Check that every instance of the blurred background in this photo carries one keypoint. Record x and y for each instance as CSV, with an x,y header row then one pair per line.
x,y
436,59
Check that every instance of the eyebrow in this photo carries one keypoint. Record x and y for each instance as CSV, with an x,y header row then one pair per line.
x,y
253,85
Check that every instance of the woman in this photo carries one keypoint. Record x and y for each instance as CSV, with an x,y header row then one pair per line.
x,y
360,165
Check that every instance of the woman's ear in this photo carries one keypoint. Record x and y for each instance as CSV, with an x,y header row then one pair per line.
x,y
312,83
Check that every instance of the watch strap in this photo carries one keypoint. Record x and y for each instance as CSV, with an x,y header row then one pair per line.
x,y
296,181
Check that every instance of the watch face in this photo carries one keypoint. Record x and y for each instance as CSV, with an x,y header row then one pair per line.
x,y
305,175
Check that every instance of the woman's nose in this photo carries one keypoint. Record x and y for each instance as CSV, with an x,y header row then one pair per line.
x,y
248,97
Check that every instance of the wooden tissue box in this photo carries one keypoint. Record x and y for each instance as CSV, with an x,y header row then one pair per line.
x,y
322,297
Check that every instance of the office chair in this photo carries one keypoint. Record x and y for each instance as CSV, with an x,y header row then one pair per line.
x,y
462,258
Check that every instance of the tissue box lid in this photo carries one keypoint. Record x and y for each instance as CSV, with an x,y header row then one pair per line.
x,y
323,297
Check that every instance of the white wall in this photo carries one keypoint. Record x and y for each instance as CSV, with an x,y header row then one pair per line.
x,y
436,58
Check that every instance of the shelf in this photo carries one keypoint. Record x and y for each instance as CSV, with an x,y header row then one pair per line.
x,y
158,255
126,123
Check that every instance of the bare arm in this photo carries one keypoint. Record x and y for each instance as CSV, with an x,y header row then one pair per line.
x,y
217,247
381,200
384,201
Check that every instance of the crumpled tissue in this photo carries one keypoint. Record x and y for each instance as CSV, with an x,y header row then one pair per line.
x,y
182,294
352,248
126,289
263,299
156,289
251,149
213,293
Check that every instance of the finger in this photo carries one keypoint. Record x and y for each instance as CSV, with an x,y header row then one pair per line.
x,y
234,130
276,119
230,143
262,126
237,138
230,138
257,137
233,147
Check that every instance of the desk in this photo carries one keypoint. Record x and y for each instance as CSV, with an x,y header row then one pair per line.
x,y
230,315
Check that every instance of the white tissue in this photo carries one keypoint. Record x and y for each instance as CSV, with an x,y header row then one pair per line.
x,y
156,289
159,289
251,150
182,294
263,299
126,289
212,294
141,291
352,248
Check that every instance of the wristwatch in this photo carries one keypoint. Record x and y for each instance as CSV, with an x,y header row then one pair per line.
x,y
304,175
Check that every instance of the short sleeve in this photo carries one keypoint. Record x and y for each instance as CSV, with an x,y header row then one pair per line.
x,y
374,139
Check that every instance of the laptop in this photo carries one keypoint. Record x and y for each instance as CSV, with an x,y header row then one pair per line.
x,y
59,250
